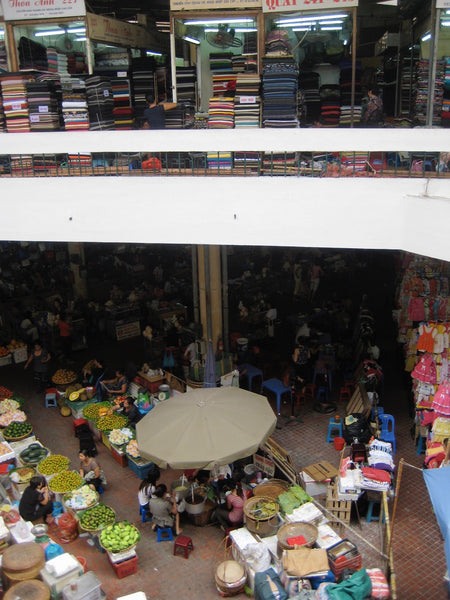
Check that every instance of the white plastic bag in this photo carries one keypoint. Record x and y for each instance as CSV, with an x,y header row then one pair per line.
x,y
257,556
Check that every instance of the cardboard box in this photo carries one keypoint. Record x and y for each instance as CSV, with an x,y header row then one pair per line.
x,y
313,487
321,471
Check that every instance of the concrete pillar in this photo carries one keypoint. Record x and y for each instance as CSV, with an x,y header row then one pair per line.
x,y
210,292
77,262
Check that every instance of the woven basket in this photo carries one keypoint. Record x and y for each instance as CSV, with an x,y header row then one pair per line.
x,y
292,530
271,489
230,578
18,439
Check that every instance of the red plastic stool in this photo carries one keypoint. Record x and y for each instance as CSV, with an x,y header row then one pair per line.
x,y
183,543
310,391
345,394
78,422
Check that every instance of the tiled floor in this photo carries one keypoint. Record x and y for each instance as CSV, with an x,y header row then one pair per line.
x,y
419,562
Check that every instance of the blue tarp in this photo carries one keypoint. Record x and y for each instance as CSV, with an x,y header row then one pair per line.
x,y
438,484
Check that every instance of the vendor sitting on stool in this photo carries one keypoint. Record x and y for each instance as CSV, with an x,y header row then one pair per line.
x,y
232,514
36,502
219,476
116,386
129,410
164,511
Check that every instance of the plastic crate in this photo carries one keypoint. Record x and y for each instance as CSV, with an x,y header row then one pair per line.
x,y
141,468
344,555
105,440
5,360
125,568
86,587
20,354
117,557
119,457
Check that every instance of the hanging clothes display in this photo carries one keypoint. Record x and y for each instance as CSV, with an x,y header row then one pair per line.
x,y
427,333
425,370
441,400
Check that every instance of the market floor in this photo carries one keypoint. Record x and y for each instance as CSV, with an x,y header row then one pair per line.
x,y
419,562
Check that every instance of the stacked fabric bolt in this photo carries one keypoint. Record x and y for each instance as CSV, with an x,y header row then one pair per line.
x,y
45,164
221,62
2,114
221,113
181,117
76,63
21,165
74,104
238,64
122,111
355,160
82,160
63,63
247,161
445,114
250,48
279,162
52,60
220,161
3,58
224,84
247,100
278,44
112,59
100,103
143,70
186,78
330,105
421,93
345,81
279,92
43,104
15,101
309,82
346,119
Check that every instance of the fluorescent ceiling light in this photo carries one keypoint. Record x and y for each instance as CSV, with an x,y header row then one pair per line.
x,y
77,30
445,23
236,29
332,28
300,20
306,24
50,32
389,2
301,29
337,22
132,21
151,53
426,37
191,40
80,39
219,21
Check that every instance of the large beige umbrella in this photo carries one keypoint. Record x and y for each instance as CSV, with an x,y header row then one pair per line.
x,y
204,427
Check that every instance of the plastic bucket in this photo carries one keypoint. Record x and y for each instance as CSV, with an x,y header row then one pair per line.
x,y
339,443
82,562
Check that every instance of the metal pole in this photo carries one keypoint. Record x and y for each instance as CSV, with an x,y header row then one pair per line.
x,y
207,293
173,65
226,324
353,66
435,23
194,258
89,56
394,510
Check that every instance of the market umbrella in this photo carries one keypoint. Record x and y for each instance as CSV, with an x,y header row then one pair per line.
x,y
198,429
209,378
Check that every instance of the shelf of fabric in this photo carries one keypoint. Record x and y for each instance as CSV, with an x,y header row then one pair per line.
x,y
74,104
76,63
279,92
247,101
219,161
221,62
224,84
44,103
143,83
309,82
330,105
123,112
185,84
111,59
32,55
15,101
221,113
3,57
100,103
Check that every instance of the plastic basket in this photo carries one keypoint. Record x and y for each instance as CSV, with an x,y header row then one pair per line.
x,y
125,568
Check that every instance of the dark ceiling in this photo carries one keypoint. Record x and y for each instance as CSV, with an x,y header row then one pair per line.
x,y
374,19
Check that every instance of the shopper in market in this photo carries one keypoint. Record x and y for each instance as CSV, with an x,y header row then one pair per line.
x,y
90,470
117,386
164,509
156,112
36,501
92,370
147,489
232,514
373,115
40,359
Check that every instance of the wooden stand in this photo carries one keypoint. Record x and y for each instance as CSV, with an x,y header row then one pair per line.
x,y
282,459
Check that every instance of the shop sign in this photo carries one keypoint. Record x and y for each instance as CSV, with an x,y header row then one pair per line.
x,y
128,330
213,4
270,6
263,464
120,33
442,3
19,10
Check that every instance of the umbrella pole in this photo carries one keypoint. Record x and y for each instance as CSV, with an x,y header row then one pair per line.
x,y
394,510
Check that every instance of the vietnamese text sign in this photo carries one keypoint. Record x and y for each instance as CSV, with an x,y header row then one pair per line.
x,y
442,3
19,10
298,5
121,33
128,330
216,4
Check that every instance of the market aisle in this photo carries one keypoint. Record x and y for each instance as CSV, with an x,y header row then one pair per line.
x,y
418,548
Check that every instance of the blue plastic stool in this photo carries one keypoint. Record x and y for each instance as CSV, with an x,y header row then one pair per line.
x,y
370,517
164,534
388,430
50,400
322,393
100,489
332,425
380,412
144,515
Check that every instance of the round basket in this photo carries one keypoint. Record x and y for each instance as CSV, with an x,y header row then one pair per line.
x,y
118,528
87,527
24,473
74,481
19,438
271,489
294,530
44,452
78,500
230,578
64,464
258,518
